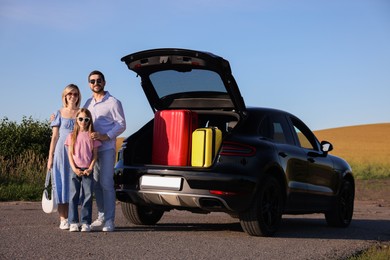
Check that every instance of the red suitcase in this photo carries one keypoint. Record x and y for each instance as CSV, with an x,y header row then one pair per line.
x,y
172,135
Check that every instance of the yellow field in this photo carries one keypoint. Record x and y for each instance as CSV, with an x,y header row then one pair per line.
x,y
360,144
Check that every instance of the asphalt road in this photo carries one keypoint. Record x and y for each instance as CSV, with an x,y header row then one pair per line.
x,y
26,232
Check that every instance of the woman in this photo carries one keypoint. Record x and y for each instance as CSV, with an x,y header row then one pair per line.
x,y
62,125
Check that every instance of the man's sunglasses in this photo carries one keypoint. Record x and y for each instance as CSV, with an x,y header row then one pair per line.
x,y
86,119
98,81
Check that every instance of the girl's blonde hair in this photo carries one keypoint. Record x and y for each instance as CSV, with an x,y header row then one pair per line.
x,y
76,128
66,91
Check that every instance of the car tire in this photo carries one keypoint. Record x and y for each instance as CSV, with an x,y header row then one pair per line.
x,y
340,214
265,215
141,215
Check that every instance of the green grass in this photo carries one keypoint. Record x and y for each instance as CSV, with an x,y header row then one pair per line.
x,y
368,171
378,252
22,177
21,192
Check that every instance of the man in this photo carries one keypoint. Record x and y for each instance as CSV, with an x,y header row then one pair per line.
x,y
109,122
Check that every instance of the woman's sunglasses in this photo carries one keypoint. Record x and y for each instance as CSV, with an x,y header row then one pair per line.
x,y
85,119
72,94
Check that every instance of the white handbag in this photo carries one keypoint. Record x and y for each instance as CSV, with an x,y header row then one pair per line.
x,y
49,203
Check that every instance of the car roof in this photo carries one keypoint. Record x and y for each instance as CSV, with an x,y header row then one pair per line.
x,y
267,110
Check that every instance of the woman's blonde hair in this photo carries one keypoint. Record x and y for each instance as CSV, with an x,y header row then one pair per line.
x,y
66,91
76,128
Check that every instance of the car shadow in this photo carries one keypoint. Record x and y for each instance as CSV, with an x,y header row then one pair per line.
x,y
290,228
185,227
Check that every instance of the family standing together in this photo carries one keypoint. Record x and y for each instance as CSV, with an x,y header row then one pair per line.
x,y
82,155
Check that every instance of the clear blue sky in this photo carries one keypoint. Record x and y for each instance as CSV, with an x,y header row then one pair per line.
x,y
326,61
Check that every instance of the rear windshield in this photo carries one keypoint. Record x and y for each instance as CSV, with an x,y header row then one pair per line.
x,y
169,82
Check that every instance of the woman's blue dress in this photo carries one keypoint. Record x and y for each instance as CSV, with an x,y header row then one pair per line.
x,y
61,168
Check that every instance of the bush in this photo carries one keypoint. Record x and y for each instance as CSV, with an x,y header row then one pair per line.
x,y
24,149
30,134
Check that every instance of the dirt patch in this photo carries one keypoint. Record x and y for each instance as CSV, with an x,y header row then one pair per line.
x,y
377,191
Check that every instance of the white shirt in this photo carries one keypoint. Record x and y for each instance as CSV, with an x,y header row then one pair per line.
x,y
108,118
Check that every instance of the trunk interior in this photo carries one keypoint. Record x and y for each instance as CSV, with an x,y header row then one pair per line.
x,y
138,147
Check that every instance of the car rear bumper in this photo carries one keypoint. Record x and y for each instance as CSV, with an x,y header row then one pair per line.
x,y
199,189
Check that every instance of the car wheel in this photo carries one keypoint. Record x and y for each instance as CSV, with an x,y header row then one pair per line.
x,y
340,214
141,215
265,215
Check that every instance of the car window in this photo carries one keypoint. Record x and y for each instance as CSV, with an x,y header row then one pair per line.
x,y
265,128
279,135
275,128
305,136
303,141
171,82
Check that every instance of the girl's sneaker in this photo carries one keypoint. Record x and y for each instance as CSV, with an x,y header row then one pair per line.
x,y
74,228
85,228
64,224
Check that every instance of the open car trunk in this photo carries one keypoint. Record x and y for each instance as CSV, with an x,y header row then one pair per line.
x,y
139,146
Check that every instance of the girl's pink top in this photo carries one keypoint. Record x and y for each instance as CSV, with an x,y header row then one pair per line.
x,y
83,149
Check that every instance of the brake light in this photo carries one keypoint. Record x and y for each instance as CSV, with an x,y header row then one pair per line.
x,y
220,192
237,149
193,63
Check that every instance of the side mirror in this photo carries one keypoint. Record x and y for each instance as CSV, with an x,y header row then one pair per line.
x,y
326,146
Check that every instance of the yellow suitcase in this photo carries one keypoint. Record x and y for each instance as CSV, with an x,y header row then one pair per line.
x,y
205,145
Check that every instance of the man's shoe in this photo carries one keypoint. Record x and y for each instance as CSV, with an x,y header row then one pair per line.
x,y
97,224
109,226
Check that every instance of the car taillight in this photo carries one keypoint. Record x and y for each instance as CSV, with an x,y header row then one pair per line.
x,y
220,192
237,149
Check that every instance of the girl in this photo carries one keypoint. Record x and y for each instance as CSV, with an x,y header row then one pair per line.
x,y
82,153
62,123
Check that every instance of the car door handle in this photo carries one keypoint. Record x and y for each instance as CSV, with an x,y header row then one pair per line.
x,y
283,154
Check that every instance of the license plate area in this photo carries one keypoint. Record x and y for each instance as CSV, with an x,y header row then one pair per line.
x,y
161,183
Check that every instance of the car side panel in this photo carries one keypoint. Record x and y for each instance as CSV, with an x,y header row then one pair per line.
x,y
322,179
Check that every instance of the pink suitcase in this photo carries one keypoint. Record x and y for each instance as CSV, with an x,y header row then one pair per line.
x,y
172,136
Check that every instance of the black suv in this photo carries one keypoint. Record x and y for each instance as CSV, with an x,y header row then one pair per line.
x,y
268,162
